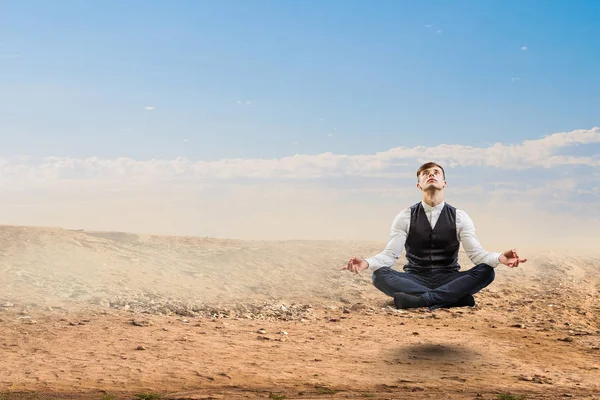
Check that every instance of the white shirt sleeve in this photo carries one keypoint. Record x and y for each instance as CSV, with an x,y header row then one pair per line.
x,y
395,245
466,235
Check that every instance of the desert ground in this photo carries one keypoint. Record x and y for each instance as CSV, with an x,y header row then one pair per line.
x,y
109,315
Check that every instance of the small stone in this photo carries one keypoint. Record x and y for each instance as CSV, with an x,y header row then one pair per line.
x,y
566,339
141,347
261,331
358,307
138,322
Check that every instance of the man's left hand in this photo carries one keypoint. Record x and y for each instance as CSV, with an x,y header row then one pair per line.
x,y
511,258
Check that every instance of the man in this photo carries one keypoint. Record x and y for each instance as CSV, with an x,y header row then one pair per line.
x,y
431,232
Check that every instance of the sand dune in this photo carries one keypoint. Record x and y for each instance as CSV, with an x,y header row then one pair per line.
x,y
54,279
58,267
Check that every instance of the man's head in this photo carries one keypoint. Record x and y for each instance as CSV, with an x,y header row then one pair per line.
x,y
431,176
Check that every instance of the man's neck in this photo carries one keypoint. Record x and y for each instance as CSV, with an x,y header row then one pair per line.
x,y
433,199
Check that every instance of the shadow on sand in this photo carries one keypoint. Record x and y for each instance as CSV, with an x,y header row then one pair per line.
x,y
437,353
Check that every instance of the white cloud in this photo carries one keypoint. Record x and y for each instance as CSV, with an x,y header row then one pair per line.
x,y
516,79
286,210
594,191
266,198
428,26
149,108
439,31
523,48
538,153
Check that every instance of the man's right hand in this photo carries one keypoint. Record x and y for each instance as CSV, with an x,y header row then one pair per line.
x,y
356,264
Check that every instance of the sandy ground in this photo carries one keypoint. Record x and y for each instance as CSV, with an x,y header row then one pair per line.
x,y
104,315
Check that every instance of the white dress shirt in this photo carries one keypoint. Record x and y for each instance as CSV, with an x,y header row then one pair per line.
x,y
465,232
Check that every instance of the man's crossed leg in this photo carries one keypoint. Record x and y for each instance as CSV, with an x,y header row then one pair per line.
x,y
433,289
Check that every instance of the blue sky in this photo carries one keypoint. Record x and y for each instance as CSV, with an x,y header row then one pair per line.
x,y
373,76
238,82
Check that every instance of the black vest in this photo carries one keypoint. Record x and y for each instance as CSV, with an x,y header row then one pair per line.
x,y
432,249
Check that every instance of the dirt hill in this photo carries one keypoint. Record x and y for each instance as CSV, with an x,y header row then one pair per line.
x,y
244,318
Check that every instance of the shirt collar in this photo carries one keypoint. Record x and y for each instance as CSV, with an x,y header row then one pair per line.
x,y
427,207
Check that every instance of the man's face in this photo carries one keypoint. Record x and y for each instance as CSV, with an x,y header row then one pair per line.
x,y
431,178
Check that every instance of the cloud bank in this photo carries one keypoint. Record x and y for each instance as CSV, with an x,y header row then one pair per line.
x,y
527,193
538,153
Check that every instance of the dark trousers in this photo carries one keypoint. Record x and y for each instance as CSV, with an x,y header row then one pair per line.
x,y
438,288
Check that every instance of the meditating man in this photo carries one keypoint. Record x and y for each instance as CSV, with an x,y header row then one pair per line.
x,y
431,232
